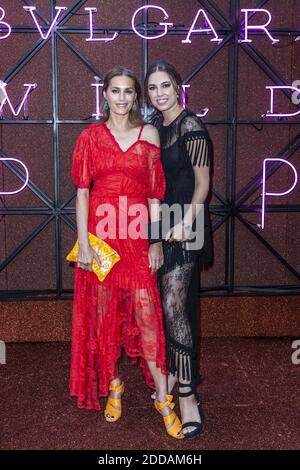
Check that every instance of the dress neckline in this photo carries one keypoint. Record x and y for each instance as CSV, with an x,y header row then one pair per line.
x,y
174,120
139,140
117,143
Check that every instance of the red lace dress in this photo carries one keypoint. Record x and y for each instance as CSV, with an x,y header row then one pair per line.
x,y
124,309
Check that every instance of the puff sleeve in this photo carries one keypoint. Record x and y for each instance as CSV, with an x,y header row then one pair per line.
x,y
197,142
157,181
81,161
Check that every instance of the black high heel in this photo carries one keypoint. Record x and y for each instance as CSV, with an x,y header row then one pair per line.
x,y
195,424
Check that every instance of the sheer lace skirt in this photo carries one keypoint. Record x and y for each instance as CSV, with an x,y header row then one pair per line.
x,y
105,319
179,294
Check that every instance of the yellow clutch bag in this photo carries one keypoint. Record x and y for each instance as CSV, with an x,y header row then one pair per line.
x,y
108,256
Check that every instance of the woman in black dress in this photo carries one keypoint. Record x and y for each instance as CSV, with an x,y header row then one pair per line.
x,y
186,154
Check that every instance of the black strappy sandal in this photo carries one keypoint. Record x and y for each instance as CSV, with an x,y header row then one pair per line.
x,y
195,424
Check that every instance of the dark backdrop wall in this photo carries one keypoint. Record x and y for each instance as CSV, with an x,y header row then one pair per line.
x,y
37,226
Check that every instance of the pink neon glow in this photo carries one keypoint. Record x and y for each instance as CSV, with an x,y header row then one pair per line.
x,y
210,29
204,112
146,7
184,95
264,193
6,25
26,178
32,9
271,112
30,86
263,27
97,86
91,38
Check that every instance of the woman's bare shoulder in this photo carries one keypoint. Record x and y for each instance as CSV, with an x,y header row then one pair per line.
x,y
150,134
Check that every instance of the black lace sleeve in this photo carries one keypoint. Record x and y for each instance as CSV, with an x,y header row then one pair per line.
x,y
196,141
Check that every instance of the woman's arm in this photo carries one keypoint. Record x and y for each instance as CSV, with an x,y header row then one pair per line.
x,y
198,149
182,231
85,252
155,253
200,194
151,135
82,213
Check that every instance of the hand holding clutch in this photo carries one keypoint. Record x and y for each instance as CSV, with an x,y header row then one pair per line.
x,y
108,256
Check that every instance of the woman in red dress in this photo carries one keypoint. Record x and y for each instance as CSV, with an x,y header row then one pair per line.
x,y
121,156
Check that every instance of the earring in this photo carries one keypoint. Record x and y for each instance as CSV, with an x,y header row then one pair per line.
x,y
105,106
134,108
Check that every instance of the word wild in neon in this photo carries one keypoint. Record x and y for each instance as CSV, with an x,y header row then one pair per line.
x,y
31,86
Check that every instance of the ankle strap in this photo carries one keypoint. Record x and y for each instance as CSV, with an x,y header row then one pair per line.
x,y
168,403
193,390
185,394
116,388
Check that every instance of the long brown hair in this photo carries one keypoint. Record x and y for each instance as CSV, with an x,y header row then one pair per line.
x,y
117,71
174,75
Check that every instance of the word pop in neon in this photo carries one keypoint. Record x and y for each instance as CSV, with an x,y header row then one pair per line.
x,y
267,193
26,176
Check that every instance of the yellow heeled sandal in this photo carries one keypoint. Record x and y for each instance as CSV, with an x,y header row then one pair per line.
x,y
111,413
171,421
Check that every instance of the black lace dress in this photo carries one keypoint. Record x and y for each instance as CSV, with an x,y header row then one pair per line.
x,y
185,143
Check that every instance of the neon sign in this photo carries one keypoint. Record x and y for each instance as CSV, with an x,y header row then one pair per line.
x,y
30,87
145,8
54,22
201,30
184,95
6,25
204,111
26,176
91,38
97,85
256,27
271,113
208,26
267,193
4,98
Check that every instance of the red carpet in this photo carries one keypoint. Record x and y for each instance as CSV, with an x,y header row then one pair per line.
x,y
250,394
